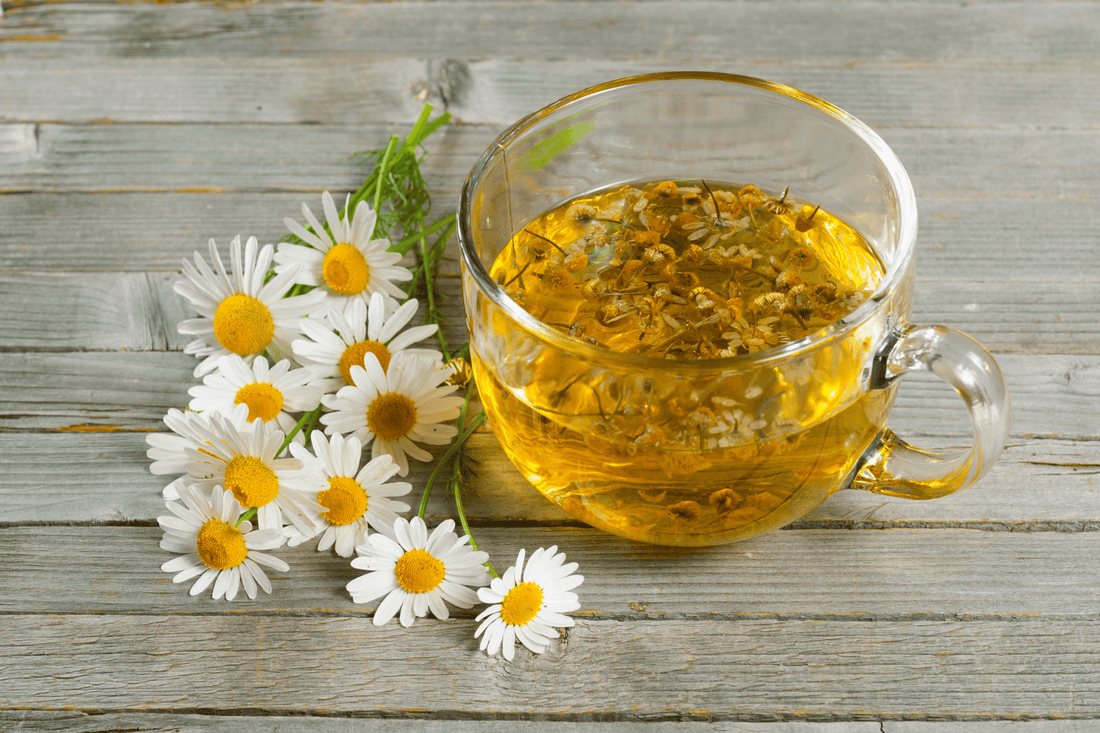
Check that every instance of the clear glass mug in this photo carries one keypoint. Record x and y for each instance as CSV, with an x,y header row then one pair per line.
x,y
748,443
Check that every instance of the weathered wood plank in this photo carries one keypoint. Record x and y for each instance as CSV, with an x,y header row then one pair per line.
x,y
1035,484
132,311
625,670
137,311
140,312
960,239
881,575
954,161
1008,240
1053,395
288,90
358,88
189,158
46,478
94,390
695,31
983,726
917,92
148,722
923,624
104,477
1008,317
144,231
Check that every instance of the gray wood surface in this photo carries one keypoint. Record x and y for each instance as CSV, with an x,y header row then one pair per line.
x,y
132,132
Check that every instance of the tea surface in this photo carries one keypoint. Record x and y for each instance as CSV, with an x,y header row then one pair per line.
x,y
697,270
687,271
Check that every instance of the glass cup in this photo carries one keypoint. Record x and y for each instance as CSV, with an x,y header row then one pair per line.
x,y
696,452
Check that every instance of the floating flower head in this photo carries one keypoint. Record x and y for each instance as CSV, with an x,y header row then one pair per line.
x,y
528,603
333,348
395,407
216,546
228,451
355,498
346,265
271,392
417,573
238,313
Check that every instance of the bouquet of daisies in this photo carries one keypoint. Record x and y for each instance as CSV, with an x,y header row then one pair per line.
x,y
308,356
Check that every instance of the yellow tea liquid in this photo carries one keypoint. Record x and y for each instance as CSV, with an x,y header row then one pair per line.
x,y
683,271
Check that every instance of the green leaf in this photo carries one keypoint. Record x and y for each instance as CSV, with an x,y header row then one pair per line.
x,y
549,148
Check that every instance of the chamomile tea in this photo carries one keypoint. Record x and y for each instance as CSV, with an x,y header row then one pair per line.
x,y
682,272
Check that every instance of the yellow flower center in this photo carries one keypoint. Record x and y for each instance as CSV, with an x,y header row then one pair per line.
x,y
345,500
220,545
354,355
391,416
252,482
263,400
521,604
418,572
345,269
243,325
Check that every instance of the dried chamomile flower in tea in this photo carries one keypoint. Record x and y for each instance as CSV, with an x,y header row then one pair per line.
x,y
694,270
682,270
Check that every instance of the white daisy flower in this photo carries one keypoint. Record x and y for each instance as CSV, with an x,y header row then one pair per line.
x,y
242,460
417,573
238,313
528,603
346,265
216,549
333,348
355,498
395,407
168,451
271,393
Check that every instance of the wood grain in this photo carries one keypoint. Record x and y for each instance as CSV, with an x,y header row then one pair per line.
x,y
882,575
960,239
132,132
359,87
696,31
1045,484
87,311
633,670
140,312
132,391
148,722
1053,163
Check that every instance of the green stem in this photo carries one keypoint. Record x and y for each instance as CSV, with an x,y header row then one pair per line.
x,y
415,136
429,291
438,250
454,448
456,486
383,169
252,512
311,418
422,129
410,240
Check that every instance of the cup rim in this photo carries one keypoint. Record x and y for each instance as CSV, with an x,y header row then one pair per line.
x,y
899,181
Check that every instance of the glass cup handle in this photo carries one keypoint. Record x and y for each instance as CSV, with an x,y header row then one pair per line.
x,y
892,466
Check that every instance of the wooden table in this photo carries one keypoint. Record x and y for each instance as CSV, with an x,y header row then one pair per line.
x,y
131,133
